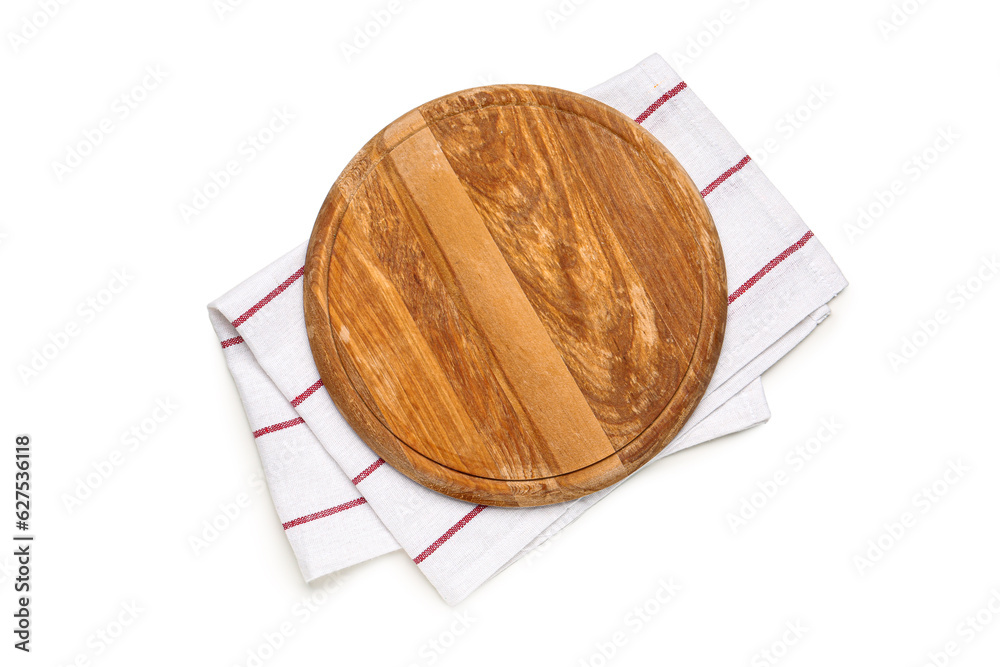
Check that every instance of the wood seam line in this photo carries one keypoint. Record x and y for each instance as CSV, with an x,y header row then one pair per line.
x,y
540,463
505,463
536,463
619,251
395,133
499,306
461,418
516,464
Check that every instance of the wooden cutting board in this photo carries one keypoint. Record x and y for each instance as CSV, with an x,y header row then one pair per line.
x,y
515,295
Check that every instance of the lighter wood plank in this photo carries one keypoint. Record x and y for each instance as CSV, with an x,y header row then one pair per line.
x,y
500,308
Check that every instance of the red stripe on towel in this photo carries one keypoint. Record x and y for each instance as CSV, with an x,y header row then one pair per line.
x,y
660,102
725,176
229,342
267,299
448,535
785,254
307,393
367,471
278,427
325,513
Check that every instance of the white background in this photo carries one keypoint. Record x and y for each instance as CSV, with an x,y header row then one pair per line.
x,y
795,561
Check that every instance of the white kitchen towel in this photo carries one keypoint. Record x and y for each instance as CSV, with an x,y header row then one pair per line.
x,y
338,501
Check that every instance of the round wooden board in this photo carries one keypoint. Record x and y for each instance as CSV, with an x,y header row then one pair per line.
x,y
515,295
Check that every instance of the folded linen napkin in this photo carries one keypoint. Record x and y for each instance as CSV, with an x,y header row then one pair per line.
x,y
338,501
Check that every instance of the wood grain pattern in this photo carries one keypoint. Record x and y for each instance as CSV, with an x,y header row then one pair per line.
x,y
515,295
